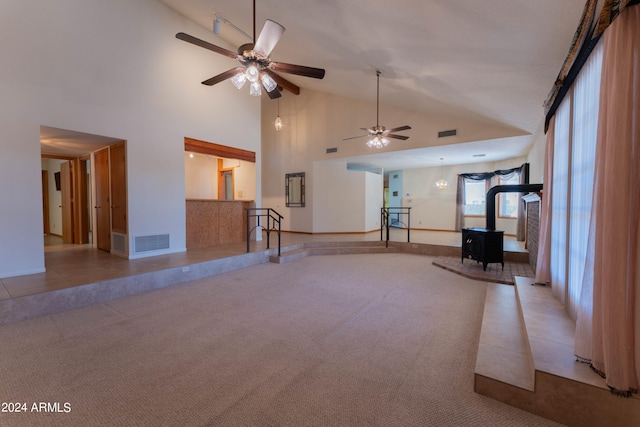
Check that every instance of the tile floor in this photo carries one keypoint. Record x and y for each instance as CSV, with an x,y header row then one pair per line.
x,y
494,273
69,265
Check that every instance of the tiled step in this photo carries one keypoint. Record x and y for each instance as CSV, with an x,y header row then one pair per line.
x,y
45,303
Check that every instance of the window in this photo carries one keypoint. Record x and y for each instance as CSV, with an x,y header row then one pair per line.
x,y
508,202
475,193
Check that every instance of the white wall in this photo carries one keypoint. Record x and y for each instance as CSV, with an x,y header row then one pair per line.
x,y
201,177
435,209
114,69
341,198
535,158
314,121
245,181
55,197
374,200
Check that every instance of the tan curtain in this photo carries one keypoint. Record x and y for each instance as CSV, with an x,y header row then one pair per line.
x,y
543,263
605,337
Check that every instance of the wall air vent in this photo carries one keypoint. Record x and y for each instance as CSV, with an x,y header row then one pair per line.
x,y
151,243
445,133
332,150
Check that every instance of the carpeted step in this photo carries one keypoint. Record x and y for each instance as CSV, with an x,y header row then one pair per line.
x,y
332,248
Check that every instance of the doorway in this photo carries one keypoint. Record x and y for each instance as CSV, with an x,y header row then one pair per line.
x,y
225,185
88,184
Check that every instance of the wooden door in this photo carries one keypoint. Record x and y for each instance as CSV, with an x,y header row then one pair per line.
x,y
83,200
66,187
118,171
102,205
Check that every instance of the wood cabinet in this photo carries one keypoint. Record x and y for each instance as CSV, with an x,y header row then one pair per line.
x,y
483,245
216,222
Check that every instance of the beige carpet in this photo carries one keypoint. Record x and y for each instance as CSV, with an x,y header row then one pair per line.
x,y
371,340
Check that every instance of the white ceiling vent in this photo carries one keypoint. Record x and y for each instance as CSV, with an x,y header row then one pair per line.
x,y
445,133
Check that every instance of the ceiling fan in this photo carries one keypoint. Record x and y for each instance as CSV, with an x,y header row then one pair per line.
x,y
257,67
379,135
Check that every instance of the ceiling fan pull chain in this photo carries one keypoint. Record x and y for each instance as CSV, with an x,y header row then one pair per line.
x,y
378,97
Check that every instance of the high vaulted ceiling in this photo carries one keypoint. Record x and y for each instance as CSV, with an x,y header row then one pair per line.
x,y
492,61
487,60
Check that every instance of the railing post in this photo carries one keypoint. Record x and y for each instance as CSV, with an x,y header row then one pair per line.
x,y
279,229
248,229
408,224
386,245
272,218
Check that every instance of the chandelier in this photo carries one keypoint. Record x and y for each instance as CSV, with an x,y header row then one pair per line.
x,y
278,122
441,184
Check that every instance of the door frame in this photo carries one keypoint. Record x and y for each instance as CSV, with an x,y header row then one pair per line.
x,y
222,187
46,221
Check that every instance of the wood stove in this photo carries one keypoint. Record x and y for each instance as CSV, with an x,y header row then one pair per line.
x,y
483,245
486,245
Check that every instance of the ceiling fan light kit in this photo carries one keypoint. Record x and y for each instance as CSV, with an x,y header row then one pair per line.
x,y
378,142
257,66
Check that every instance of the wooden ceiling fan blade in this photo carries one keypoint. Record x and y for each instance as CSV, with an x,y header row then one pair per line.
x,y
268,38
354,137
402,137
222,76
405,127
274,94
300,70
196,41
371,131
284,83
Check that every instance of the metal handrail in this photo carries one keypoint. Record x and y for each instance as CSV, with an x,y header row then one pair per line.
x,y
272,218
397,211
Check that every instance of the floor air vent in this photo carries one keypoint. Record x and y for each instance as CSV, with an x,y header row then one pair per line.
x,y
151,243
118,242
445,133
